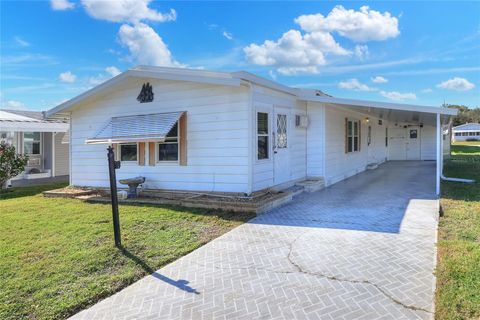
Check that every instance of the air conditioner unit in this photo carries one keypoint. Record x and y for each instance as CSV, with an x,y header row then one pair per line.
x,y
301,121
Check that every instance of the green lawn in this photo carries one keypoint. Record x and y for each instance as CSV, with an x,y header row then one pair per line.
x,y
57,255
458,270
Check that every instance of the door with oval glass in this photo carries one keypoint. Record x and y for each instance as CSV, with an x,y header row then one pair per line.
x,y
413,143
281,145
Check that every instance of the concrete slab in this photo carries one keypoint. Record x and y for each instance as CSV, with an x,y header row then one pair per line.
x,y
363,248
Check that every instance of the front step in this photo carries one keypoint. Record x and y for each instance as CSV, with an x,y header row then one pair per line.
x,y
312,184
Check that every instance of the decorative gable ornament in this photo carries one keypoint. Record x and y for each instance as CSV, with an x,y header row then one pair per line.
x,y
146,95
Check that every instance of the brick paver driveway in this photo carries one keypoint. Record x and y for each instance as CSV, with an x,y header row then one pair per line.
x,y
361,249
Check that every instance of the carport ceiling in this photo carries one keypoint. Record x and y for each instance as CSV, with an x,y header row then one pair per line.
x,y
398,116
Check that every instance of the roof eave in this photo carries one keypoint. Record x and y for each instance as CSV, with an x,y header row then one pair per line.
x,y
381,105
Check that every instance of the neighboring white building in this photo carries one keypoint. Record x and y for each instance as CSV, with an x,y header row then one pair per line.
x,y
237,132
45,141
467,132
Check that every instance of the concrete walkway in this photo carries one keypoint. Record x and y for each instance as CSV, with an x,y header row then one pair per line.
x,y
361,249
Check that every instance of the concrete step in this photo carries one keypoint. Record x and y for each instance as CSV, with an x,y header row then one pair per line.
x,y
312,184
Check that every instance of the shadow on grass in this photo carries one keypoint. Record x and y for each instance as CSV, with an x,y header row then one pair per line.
x,y
18,192
180,284
462,169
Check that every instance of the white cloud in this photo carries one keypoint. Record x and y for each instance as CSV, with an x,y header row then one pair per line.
x,y
227,35
61,4
126,11
305,50
67,76
272,75
295,53
457,84
428,90
361,26
14,105
146,46
361,51
397,96
354,84
20,42
113,71
110,72
379,79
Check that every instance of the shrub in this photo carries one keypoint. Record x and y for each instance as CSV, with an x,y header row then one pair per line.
x,y
11,163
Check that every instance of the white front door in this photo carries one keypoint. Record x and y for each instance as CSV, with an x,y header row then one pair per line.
x,y
281,145
396,144
413,143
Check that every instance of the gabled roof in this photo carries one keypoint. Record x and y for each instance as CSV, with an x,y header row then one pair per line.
x,y
467,126
235,79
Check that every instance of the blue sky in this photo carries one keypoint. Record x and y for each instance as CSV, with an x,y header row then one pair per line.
x,y
411,52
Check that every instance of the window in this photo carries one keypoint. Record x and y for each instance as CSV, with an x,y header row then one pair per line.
x,y
31,142
128,152
413,134
168,150
457,134
353,136
281,142
262,136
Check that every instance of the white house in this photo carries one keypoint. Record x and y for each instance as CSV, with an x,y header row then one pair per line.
x,y
45,141
467,132
236,132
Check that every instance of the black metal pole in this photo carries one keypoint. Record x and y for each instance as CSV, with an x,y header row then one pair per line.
x,y
112,165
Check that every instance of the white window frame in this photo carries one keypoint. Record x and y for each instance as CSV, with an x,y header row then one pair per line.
x,y
351,123
40,141
157,148
268,135
120,152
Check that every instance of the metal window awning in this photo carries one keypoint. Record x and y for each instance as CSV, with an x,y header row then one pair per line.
x,y
145,127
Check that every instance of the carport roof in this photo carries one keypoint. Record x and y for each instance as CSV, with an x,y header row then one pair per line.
x,y
401,113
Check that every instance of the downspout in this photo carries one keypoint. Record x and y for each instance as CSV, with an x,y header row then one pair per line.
x,y
442,176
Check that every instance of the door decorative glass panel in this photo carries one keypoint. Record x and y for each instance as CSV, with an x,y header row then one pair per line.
x,y
281,131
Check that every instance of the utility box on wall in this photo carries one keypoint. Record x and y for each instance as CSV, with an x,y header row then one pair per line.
x,y
301,121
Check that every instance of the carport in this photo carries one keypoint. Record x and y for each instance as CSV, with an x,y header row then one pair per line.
x,y
406,122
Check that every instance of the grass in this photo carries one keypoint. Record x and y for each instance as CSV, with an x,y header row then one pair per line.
x,y
466,150
458,269
57,255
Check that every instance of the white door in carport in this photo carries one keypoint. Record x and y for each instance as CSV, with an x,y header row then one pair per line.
x,y
396,144
413,143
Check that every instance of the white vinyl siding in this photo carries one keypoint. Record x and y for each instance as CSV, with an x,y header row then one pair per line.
x,y
217,136
316,140
61,155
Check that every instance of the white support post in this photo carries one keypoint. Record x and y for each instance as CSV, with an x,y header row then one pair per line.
x,y
439,154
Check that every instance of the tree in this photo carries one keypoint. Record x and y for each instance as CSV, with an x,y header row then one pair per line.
x,y
11,163
465,114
